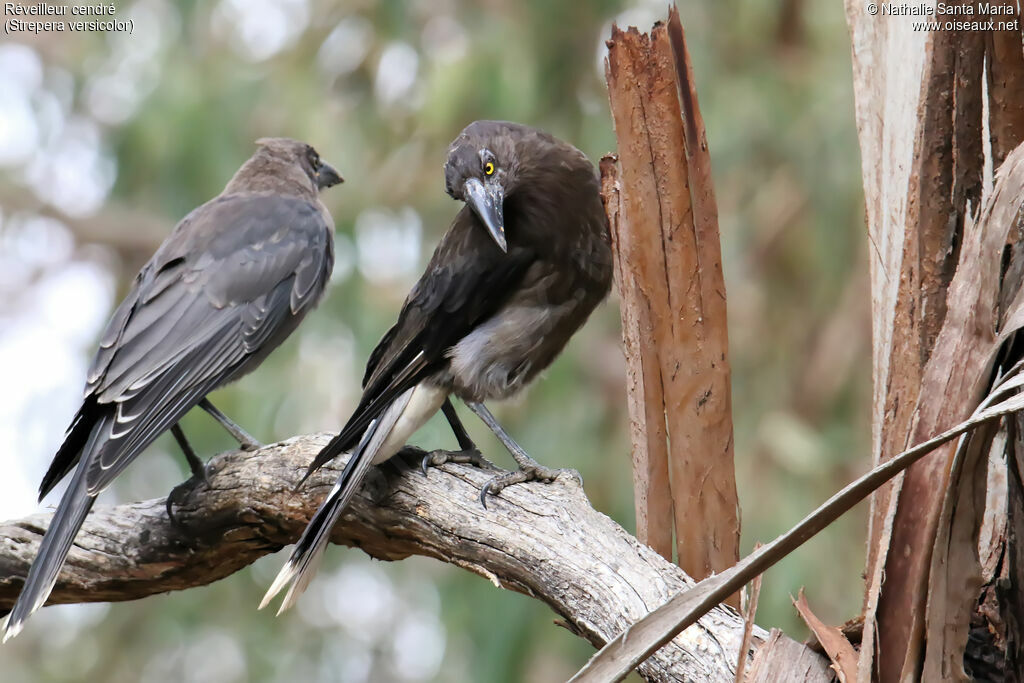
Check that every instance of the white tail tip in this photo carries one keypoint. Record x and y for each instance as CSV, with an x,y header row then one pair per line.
x,y
11,630
284,576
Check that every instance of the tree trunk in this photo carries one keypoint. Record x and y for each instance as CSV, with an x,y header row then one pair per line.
x,y
940,322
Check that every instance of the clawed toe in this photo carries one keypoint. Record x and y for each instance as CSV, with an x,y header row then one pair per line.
x,y
199,474
522,475
468,456
168,505
172,500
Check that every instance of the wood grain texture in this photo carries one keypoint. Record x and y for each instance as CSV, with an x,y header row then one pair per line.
x,y
945,277
946,184
780,659
1004,62
920,111
670,259
543,540
974,337
889,107
652,494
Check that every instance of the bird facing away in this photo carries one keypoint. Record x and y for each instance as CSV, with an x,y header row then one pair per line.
x,y
526,260
231,282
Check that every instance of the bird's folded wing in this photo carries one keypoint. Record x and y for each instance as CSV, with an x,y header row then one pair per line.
x,y
235,272
467,280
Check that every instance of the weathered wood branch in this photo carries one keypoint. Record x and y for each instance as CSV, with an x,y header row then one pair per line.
x,y
542,540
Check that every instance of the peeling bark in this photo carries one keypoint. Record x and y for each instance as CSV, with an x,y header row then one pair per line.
x,y
665,225
832,640
1004,62
652,494
938,296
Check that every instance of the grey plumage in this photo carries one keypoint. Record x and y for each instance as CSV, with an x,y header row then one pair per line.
x,y
231,282
525,262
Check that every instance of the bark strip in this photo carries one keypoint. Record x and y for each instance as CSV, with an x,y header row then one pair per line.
x,y
673,301
921,119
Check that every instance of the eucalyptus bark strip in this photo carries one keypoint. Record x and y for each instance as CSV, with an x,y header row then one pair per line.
x,y
921,116
670,257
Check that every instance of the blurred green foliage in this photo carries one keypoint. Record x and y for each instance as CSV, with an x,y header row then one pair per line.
x,y
774,83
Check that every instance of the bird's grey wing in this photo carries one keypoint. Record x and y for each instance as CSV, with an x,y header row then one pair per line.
x,y
221,293
466,281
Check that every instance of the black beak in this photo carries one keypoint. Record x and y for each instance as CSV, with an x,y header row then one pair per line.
x,y
487,202
326,176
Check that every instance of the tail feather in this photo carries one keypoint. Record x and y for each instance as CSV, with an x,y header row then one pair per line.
x,y
70,451
368,409
56,544
305,558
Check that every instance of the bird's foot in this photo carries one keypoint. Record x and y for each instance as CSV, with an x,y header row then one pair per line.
x,y
171,501
528,472
470,456
178,493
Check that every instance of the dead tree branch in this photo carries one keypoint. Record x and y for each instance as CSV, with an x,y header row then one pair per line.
x,y
545,541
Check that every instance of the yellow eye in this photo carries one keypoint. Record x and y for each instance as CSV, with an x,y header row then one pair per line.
x,y
488,168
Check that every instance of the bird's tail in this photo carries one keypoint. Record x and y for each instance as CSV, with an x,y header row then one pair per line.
x,y
64,526
305,557
69,453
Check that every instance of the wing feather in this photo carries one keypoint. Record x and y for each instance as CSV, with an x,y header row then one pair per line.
x,y
210,305
467,280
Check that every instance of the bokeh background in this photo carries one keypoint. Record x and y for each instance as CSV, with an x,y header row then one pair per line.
x,y
106,140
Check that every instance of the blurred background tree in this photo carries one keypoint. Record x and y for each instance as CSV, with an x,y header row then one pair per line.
x,y
106,140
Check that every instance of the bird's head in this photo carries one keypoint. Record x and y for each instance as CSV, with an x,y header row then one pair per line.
x,y
483,169
299,154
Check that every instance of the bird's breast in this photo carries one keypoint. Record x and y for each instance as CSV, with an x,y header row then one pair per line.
x,y
503,354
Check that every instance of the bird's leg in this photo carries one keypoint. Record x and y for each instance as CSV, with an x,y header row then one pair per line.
x,y
468,453
461,435
244,439
529,469
521,457
194,463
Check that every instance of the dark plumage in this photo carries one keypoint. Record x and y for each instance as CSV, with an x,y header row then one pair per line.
x,y
521,268
231,282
